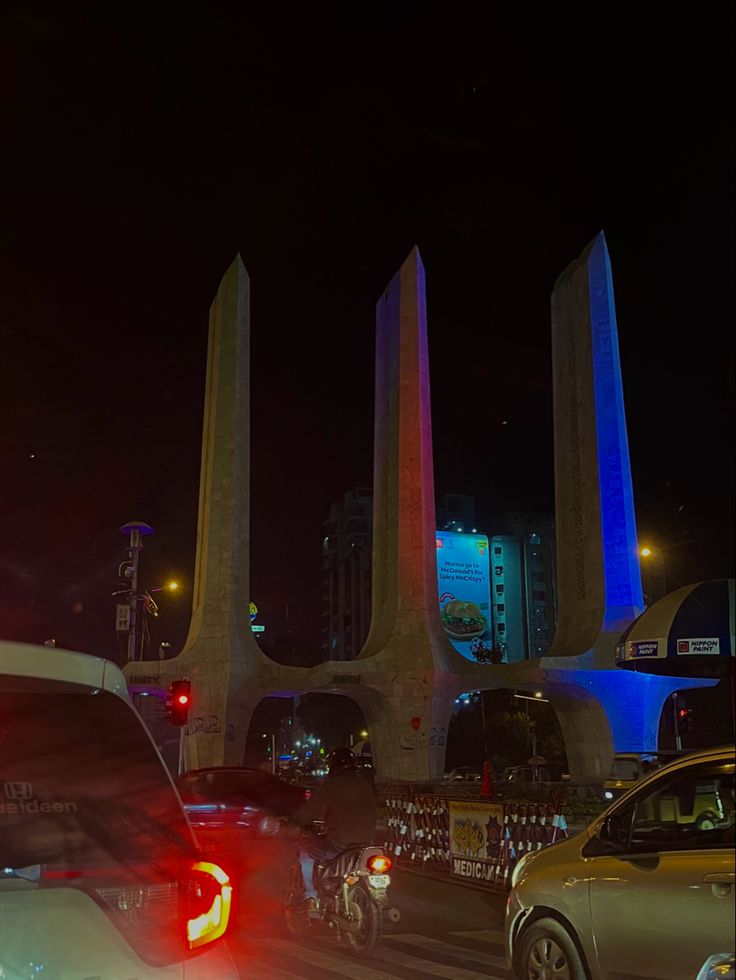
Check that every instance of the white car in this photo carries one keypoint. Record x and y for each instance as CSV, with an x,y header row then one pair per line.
x,y
100,875
646,891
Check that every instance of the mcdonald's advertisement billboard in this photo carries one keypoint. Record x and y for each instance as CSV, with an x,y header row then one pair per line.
x,y
465,592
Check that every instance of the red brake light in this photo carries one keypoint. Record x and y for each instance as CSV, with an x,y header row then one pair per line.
x,y
213,894
164,912
307,794
379,864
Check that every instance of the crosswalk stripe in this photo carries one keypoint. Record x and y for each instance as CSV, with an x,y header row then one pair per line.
x,y
338,964
484,935
428,966
448,949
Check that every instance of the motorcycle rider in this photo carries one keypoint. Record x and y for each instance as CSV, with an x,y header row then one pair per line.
x,y
347,805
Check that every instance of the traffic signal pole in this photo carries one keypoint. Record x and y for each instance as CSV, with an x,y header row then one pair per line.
x,y
676,716
181,767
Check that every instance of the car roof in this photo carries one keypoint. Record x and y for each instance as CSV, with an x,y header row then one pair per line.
x,y
55,664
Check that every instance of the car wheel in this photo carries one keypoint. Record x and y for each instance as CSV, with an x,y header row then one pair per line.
x,y
547,951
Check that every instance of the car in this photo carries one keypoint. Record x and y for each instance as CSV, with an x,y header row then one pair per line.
x,y
647,890
100,872
234,804
464,774
627,769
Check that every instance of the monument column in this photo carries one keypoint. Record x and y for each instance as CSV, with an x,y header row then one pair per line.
x,y
598,575
220,656
406,635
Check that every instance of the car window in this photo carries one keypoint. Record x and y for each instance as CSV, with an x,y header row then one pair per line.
x,y
625,769
224,786
80,780
691,809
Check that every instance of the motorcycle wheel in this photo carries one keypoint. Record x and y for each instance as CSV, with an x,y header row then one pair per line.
x,y
296,923
364,909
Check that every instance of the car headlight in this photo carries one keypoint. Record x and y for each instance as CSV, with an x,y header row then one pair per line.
x,y
521,864
608,795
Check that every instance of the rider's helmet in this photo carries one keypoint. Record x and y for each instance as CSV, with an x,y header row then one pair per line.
x,y
340,759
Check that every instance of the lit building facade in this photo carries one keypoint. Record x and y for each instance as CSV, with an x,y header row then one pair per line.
x,y
523,564
522,575
346,566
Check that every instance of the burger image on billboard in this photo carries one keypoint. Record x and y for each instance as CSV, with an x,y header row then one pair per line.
x,y
463,620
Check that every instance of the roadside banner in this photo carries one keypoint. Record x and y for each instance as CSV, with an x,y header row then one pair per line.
x,y
476,836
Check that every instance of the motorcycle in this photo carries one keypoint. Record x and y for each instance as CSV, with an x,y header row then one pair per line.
x,y
353,901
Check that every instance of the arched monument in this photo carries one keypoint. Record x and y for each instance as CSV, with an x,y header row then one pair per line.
x,y
408,675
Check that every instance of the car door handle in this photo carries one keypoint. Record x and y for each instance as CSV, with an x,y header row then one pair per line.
x,y
719,878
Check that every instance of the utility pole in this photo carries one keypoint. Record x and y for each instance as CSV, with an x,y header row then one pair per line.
x,y
136,531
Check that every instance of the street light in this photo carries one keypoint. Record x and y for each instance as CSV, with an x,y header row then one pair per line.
x,y
646,552
364,734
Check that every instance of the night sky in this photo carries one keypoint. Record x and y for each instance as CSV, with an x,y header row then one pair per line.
x,y
143,146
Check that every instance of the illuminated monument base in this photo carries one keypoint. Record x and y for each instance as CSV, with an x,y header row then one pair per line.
x,y
408,675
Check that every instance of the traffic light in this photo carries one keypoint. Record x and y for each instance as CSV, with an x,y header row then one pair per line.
x,y
685,719
179,702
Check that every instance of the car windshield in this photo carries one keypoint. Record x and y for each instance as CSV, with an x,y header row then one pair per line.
x,y
625,769
81,780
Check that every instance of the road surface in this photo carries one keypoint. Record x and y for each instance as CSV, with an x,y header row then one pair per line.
x,y
446,930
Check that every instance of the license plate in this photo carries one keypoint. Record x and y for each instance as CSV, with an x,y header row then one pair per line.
x,y
379,881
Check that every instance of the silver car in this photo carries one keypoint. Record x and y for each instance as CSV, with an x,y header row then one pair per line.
x,y
647,890
100,874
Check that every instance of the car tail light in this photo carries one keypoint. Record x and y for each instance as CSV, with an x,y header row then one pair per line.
x,y
307,794
213,893
164,913
379,864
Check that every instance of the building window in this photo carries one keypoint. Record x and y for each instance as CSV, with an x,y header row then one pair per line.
x,y
501,627
499,590
539,596
498,551
534,539
500,608
498,569
538,576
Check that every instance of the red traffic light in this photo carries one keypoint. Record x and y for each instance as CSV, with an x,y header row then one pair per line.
x,y
179,702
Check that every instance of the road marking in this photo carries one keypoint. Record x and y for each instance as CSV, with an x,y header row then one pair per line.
x,y
428,966
484,935
448,949
338,964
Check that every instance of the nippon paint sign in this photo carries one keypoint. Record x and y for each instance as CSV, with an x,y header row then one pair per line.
x,y
643,648
700,646
465,592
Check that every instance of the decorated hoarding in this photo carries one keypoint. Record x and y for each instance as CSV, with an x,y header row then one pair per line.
x,y
464,591
476,834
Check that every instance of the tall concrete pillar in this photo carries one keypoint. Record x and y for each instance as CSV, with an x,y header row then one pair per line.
x,y
406,631
598,575
220,656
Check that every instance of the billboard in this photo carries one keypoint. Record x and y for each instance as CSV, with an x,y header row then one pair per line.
x,y
476,834
465,593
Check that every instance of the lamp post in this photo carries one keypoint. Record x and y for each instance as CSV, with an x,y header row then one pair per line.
x,y
136,531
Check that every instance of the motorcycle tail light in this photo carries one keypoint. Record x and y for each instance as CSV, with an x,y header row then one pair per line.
x,y
379,864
